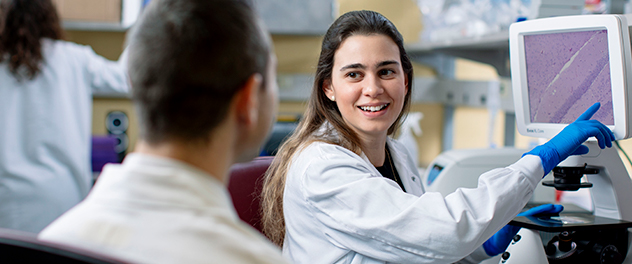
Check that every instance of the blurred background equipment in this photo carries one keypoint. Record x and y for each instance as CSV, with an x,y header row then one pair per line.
x,y
117,123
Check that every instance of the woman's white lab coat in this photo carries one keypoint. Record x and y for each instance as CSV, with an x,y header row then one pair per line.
x,y
339,209
45,136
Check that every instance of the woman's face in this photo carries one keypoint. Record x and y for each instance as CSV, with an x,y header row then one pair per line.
x,y
368,84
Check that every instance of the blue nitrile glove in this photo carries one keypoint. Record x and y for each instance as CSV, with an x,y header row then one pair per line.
x,y
498,242
569,140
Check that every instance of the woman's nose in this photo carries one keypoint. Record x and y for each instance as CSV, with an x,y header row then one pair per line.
x,y
372,87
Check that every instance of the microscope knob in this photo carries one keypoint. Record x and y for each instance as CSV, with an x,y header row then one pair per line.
x,y
610,255
550,249
505,255
566,242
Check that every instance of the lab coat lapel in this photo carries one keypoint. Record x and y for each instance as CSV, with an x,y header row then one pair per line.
x,y
410,178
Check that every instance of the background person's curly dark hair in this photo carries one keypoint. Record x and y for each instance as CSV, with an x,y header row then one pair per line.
x,y
23,24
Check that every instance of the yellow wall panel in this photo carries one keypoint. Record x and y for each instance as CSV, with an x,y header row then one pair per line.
x,y
429,143
472,128
403,13
297,54
107,44
474,71
421,70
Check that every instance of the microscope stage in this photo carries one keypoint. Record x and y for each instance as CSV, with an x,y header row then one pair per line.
x,y
569,222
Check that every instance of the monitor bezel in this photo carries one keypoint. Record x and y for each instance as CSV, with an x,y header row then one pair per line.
x,y
619,58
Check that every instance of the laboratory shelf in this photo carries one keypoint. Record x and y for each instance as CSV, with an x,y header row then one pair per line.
x,y
94,26
496,40
492,49
113,95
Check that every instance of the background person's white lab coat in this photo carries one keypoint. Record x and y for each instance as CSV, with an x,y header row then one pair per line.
x,y
339,209
46,132
152,209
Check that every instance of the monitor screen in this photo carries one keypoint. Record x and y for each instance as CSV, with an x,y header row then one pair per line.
x,y
560,66
566,73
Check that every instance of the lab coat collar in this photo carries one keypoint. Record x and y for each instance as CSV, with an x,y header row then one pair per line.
x,y
327,132
410,180
160,180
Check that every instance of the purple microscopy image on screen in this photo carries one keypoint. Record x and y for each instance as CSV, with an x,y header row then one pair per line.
x,y
567,73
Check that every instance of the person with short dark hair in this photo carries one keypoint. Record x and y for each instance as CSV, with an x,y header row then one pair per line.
x,y
203,81
46,87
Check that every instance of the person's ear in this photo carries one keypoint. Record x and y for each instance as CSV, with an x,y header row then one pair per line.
x,y
247,103
328,89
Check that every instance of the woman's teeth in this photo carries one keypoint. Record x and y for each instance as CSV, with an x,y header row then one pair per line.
x,y
373,108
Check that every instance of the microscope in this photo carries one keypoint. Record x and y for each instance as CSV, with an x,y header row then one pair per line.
x,y
598,237
559,67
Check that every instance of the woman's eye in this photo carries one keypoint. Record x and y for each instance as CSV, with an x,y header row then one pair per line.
x,y
386,72
353,75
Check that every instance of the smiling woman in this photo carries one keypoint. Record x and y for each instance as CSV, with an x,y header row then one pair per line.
x,y
368,81
340,190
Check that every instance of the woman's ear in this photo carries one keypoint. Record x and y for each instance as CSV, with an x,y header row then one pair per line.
x,y
329,90
247,100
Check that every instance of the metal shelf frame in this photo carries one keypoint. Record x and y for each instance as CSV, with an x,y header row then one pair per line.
x,y
94,26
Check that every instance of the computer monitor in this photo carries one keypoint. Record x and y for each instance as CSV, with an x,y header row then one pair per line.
x,y
561,66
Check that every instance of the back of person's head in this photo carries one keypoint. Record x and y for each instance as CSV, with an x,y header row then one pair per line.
x,y
188,58
321,109
23,24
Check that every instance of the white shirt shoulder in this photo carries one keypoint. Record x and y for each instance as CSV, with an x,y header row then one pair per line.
x,y
152,210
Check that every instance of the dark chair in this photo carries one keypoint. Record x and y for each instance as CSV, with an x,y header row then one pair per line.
x,y
244,186
22,247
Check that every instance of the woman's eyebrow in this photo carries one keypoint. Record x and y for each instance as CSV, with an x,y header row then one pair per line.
x,y
353,66
361,66
388,62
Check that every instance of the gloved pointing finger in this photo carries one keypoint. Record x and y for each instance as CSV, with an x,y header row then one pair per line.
x,y
569,140
589,112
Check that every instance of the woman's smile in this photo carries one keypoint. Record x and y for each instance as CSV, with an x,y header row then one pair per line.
x,y
373,109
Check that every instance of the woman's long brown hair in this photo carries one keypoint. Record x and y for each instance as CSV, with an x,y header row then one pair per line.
x,y
23,24
320,110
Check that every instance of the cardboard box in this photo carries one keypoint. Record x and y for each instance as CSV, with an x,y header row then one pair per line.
x,y
89,10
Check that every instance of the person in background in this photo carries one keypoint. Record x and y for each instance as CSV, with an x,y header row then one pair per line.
x,y
46,87
203,76
341,190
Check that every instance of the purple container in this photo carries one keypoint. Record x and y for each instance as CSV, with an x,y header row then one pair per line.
x,y
103,152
